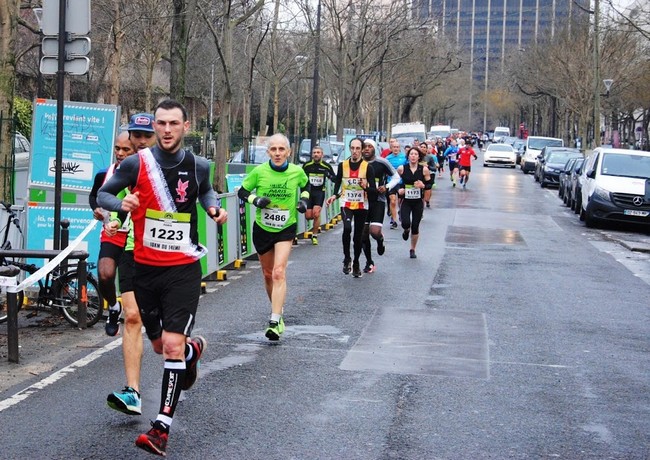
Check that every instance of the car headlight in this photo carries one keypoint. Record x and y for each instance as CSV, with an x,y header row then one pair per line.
x,y
602,193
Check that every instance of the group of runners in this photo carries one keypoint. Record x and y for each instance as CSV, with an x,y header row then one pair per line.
x,y
151,192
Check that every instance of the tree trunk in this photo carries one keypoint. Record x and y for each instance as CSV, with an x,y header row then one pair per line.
x,y
115,58
276,104
264,109
183,17
8,15
223,143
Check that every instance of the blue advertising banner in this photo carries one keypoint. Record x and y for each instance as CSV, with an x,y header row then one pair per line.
x,y
88,135
40,228
233,181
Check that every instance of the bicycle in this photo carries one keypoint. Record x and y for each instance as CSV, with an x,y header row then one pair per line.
x,y
58,290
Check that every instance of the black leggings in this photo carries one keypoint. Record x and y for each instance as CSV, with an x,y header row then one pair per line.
x,y
411,214
359,218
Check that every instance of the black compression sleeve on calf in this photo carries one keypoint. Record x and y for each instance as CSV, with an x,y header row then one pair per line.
x,y
173,380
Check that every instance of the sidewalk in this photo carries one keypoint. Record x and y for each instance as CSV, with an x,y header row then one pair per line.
x,y
45,340
638,242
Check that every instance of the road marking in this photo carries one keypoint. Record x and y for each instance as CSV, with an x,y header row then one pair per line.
x,y
58,375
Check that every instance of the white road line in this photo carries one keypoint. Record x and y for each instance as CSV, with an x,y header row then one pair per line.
x,y
58,375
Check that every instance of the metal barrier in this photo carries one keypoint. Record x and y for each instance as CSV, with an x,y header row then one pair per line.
x,y
57,257
229,244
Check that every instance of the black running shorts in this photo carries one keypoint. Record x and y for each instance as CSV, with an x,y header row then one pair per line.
x,y
264,241
376,213
167,297
111,251
316,198
126,271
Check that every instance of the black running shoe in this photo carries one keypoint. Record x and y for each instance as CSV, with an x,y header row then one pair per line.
x,y
380,247
405,234
412,254
198,344
369,268
356,270
347,266
113,323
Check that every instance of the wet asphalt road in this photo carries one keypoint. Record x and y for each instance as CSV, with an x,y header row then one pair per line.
x,y
516,333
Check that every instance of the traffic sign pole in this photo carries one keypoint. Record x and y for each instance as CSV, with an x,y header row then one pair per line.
x,y
64,22
60,87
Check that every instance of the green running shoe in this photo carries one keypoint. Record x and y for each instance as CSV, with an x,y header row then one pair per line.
x,y
275,329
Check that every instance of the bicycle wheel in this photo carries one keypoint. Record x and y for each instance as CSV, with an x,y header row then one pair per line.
x,y
4,303
66,299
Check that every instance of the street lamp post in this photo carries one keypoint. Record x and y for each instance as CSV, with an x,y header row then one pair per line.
x,y
596,142
314,97
614,140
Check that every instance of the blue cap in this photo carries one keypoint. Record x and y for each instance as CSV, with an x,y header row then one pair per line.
x,y
141,122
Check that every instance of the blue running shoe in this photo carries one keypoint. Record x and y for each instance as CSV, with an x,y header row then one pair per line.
x,y
127,401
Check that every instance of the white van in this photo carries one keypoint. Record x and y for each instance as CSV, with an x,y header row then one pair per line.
x,y
407,133
441,131
614,186
500,132
533,147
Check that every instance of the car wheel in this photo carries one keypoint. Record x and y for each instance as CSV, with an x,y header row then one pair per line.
x,y
512,166
560,193
590,220
577,203
581,213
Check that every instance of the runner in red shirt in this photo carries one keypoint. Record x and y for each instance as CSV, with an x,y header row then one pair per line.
x,y
465,154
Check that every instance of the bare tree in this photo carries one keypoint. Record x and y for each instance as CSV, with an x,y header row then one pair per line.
x,y
221,23
184,12
8,17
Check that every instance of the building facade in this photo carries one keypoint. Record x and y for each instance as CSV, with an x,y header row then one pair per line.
x,y
491,29
487,32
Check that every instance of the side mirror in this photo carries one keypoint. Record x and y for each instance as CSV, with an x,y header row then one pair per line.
x,y
591,174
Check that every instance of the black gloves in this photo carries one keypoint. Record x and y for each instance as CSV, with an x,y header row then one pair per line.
x,y
302,206
261,201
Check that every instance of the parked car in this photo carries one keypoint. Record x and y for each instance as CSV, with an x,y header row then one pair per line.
x,y
575,188
552,163
533,147
499,154
338,150
256,155
518,145
614,187
564,178
22,151
304,152
508,140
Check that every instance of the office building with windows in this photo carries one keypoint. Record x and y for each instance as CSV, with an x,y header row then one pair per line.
x,y
488,31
